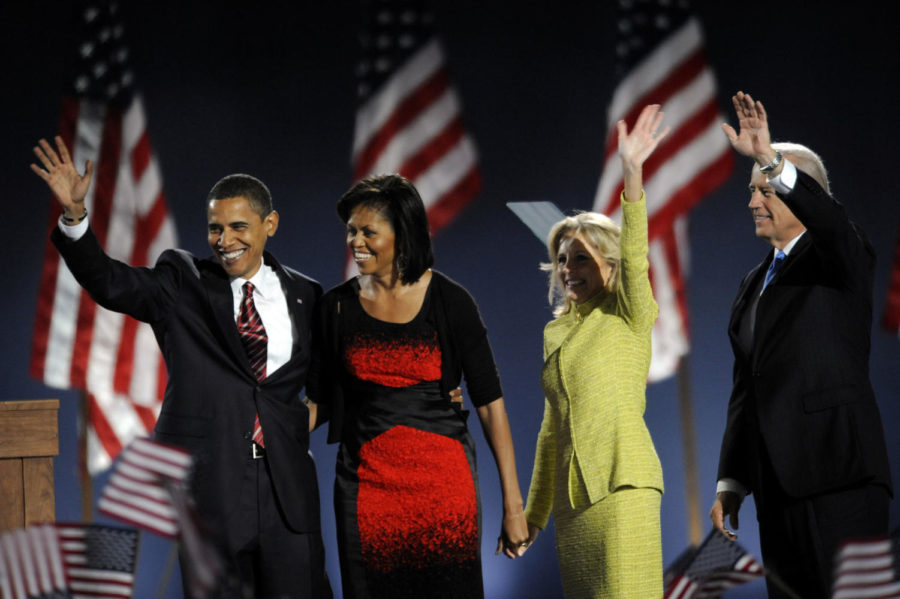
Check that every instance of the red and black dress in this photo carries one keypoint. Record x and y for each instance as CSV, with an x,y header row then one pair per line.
x,y
406,490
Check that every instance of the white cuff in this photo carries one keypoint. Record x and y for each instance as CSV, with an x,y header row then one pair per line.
x,y
73,232
785,180
729,484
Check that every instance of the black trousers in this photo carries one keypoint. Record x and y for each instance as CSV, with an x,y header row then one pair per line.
x,y
265,559
800,537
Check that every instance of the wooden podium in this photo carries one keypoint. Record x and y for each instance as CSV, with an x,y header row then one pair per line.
x,y
29,438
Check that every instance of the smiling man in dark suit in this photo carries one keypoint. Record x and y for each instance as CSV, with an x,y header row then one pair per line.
x,y
804,434
234,330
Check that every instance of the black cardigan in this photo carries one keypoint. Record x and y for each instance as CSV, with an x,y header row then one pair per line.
x,y
462,337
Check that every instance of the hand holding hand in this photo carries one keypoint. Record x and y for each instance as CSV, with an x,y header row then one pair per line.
x,y
727,503
61,176
753,139
514,538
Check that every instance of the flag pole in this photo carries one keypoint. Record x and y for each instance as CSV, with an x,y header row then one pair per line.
x,y
84,476
689,450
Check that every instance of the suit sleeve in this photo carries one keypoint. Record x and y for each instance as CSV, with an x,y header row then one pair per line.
x,y
840,242
635,296
143,293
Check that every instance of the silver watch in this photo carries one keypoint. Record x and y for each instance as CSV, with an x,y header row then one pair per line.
x,y
772,165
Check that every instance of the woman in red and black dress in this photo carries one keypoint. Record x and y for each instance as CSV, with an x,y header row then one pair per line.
x,y
390,346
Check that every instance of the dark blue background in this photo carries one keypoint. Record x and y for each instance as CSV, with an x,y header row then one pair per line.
x,y
229,86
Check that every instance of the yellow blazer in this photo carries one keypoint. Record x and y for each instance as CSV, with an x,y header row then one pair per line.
x,y
593,438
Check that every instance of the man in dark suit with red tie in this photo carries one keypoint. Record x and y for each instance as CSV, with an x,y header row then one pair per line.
x,y
804,434
234,331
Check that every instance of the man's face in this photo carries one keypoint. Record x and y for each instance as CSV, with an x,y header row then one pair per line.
x,y
237,235
773,220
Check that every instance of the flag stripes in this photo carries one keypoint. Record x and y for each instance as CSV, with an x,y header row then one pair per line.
x,y
408,117
868,569
136,491
78,345
692,160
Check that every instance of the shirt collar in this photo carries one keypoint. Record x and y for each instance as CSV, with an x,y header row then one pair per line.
x,y
262,280
790,245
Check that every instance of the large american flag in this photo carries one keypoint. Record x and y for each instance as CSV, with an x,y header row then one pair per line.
x,y
77,344
408,115
868,568
716,565
660,60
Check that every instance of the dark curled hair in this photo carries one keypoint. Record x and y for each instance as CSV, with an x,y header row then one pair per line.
x,y
397,200
239,185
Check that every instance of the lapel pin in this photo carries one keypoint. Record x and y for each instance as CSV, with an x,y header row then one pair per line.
x,y
299,301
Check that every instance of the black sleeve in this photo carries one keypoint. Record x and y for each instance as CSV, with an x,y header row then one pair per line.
x,y
471,342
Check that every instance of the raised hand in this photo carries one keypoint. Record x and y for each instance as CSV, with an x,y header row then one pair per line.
x,y
62,177
636,147
753,138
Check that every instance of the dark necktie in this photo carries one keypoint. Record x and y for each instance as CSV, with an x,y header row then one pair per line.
x,y
253,335
774,267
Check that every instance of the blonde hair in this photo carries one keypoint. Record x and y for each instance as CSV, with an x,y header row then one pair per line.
x,y
593,228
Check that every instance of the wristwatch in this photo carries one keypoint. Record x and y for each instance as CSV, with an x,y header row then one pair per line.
x,y
772,165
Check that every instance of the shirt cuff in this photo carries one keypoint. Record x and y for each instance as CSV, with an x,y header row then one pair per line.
x,y
729,484
73,232
785,180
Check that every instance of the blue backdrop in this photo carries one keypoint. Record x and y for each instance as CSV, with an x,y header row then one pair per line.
x,y
270,91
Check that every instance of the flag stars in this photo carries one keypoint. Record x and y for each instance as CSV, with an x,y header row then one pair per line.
x,y
86,49
406,41
384,41
105,34
385,17
382,64
90,14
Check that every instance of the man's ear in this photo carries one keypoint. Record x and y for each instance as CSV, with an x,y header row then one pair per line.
x,y
271,222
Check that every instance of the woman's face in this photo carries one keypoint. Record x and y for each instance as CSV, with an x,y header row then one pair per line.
x,y
581,273
370,238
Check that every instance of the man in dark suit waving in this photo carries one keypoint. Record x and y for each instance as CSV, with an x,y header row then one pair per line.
x,y
234,331
804,434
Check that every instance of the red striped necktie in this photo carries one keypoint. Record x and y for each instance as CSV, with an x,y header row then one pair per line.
x,y
253,335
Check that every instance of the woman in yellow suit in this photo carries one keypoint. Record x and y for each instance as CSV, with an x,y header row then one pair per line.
x,y
596,469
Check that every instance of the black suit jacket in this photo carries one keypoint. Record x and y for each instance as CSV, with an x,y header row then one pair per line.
x,y
212,395
801,387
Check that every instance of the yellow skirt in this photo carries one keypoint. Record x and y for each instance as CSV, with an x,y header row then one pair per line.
x,y
613,548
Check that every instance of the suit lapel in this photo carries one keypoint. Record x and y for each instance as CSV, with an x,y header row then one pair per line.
x,y
296,310
221,303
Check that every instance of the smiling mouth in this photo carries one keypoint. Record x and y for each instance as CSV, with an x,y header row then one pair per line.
x,y
574,283
361,256
233,255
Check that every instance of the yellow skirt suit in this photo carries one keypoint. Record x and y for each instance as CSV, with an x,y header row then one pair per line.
x,y
596,469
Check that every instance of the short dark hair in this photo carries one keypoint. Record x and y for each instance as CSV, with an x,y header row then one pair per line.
x,y
239,185
398,201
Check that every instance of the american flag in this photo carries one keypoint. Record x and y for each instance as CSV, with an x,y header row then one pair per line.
x,y
408,115
716,565
868,568
148,488
31,564
892,306
100,561
660,60
137,491
77,344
